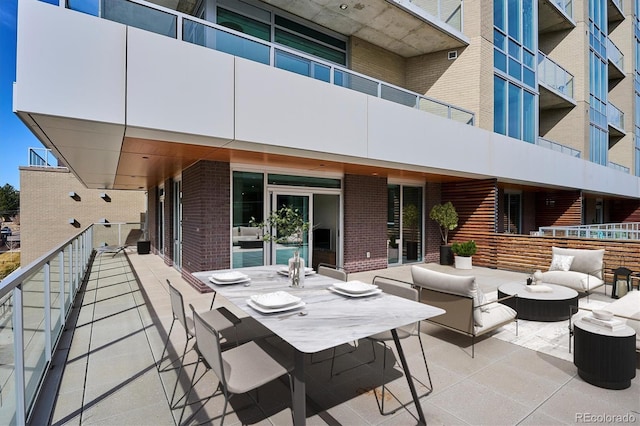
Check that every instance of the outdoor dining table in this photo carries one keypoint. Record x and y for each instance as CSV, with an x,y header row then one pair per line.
x,y
326,320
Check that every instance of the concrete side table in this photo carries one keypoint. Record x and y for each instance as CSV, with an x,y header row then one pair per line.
x,y
604,358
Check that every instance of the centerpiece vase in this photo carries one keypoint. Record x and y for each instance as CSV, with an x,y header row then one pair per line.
x,y
296,270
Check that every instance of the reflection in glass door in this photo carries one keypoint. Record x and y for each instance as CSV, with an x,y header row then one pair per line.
x,y
280,253
404,224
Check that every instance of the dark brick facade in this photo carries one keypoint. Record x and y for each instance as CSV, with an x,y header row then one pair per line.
x,y
206,209
365,223
168,222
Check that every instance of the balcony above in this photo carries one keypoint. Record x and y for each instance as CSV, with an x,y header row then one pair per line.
x,y
555,15
615,60
405,27
615,121
555,84
615,11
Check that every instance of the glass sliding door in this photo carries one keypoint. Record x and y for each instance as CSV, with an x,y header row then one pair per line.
x,y
512,213
247,248
412,223
404,224
280,253
393,224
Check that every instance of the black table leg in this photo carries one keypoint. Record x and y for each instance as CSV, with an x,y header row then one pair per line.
x,y
299,403
407,374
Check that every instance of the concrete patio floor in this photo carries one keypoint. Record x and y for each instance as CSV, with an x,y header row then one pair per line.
x,y
110,377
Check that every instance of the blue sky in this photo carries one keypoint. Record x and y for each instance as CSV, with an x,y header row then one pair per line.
x,y
15,137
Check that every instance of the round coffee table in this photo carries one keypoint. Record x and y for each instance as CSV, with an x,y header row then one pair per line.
x,y
538,306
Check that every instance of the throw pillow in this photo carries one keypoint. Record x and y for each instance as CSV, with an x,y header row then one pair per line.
x,y
560,262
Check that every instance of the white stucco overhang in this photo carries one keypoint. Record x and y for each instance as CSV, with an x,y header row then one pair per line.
x,y
116,108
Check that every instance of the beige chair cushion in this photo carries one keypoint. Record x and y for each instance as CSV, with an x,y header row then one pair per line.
x,y
585,261
462,286
496,315
578,281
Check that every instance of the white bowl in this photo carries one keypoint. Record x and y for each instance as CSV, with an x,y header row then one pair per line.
x,y
602,314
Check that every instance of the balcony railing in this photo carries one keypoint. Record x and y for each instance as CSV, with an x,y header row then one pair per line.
x,y
566,6
618,167
42,157
35,303
608,231
174,24
554,76
615,117
449,12
555,146
614,55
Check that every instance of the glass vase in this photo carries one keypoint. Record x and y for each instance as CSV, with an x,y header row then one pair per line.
x,y
296,270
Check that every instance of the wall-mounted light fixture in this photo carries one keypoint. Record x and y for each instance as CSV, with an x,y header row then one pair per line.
x,y
74,223
105,197
549,202
452,54
105,222
74,195
343,6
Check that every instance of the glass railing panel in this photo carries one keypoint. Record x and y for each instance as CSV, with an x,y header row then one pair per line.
x,y
355,82
140,16
7,363
618,167
35,361
436,108
462,116
398,96
223,41
555,146
90,7
447,11
614,55
300,65
55,296
553,75
615,117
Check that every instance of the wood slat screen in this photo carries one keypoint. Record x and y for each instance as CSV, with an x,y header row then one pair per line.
x,y
561,208
476,204
525,253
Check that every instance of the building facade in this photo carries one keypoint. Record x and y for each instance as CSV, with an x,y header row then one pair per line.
x,y
362,115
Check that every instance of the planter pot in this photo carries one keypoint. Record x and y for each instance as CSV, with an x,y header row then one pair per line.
x,y
446,256
144,247
463,262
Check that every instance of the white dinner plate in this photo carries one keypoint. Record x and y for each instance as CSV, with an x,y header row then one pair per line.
x,y
355,287
273,310
241,281
277,299
345,293
233,276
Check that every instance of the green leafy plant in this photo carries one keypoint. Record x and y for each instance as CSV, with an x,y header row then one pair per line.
x,y
464,249
284,226
447,217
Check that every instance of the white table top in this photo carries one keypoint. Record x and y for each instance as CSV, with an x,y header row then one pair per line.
x,y
558,292
331,319
624,331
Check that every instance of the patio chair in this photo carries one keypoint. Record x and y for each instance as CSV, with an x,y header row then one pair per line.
x,y
132,239
220,318
239,370
406,290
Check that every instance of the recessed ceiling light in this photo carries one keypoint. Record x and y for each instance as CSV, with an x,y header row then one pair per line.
x,y
343,6
144,157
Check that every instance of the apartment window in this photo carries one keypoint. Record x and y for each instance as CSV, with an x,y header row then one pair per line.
x,y
514,39
404,223
598,82
248,203
512,220
269,25
598,145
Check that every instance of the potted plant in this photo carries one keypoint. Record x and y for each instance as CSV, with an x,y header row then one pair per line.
x,y
286,226
463,252
410,219
447,218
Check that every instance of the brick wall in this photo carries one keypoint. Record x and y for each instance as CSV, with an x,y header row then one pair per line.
x,y
374,61
168,222
365,223
46,207
206,205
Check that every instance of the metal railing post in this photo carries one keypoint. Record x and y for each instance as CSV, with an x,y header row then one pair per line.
x,y
63,310
18,355
47,312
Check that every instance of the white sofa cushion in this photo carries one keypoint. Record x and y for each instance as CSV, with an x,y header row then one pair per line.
x,y
628,306
496,314
585,261
578,281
